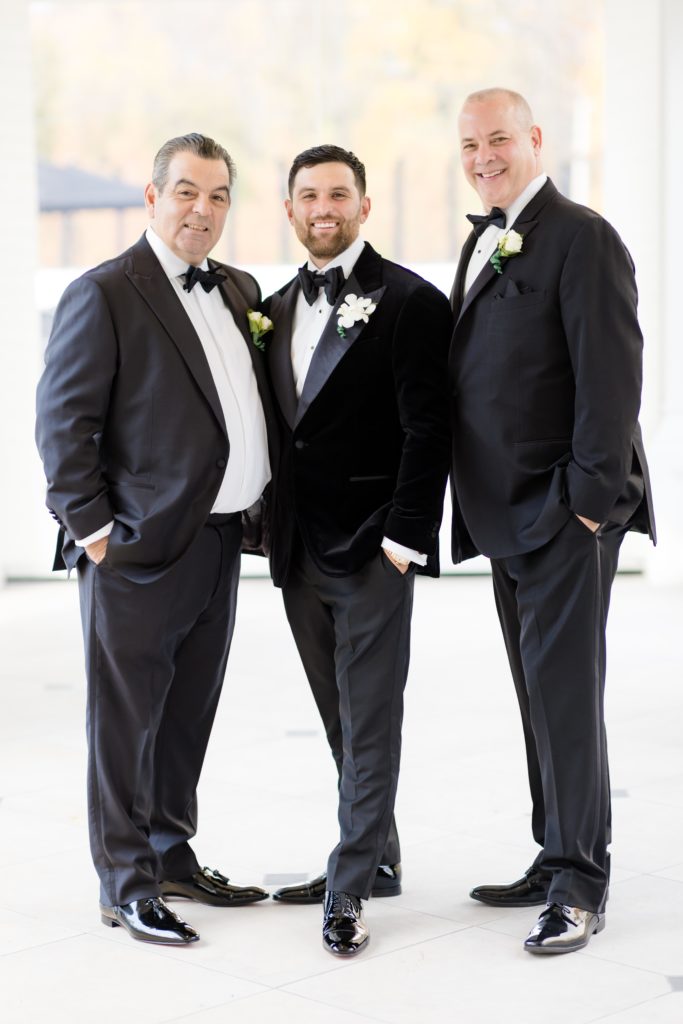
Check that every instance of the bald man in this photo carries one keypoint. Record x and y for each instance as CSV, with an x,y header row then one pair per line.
x,y
549,474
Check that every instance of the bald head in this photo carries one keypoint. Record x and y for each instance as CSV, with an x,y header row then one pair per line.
x,y
514,100
500,146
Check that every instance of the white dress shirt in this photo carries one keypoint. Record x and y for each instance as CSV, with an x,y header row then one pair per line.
x,y
248,470
307,328
488,239
310,321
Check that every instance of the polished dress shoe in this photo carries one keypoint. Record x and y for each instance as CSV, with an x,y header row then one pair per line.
x,y
562,929
529,891
387,883
214,889
344,930
149,920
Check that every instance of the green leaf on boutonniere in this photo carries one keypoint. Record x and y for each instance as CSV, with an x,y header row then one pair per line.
x,y
353,309
258,326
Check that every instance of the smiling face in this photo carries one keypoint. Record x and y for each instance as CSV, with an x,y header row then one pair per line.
x,y
189,212
500,151
326,210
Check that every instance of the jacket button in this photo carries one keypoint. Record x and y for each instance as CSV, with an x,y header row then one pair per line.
x,y
221,463
300,444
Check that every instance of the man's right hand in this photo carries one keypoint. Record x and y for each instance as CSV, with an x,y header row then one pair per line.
x,y
97,550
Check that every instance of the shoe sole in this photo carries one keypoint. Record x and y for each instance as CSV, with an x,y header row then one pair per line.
x,y
111,922
539,902
298,900
556,950
239,901
379,891
349,952
376,893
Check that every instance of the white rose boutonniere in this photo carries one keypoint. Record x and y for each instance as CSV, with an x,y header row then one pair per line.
x,y
258,326
509,245
353,309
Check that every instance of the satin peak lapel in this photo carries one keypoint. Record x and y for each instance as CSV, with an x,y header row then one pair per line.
x,y
237,306
234,300
456,297
157,291
486,274
332,346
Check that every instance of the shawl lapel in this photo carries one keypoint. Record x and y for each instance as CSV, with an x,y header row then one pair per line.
x,y
281,312
332,346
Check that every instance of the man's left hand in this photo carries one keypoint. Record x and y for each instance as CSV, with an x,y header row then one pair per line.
x,y
400,563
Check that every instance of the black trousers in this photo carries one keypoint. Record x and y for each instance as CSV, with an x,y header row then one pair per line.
x,y
155,657
353,636
552,604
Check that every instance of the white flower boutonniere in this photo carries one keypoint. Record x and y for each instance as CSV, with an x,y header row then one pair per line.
x,y
509,245
258,326
353,309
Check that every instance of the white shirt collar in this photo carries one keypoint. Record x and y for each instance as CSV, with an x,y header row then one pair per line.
x,y
172,264
523,199
346,260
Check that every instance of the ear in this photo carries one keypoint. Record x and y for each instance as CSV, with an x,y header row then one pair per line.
x,y
365,205
290,210
536,138
150,199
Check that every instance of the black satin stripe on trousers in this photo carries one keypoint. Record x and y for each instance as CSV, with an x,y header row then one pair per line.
x,y
353,636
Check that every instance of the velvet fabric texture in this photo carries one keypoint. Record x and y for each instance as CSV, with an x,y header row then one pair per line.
x,y
365,450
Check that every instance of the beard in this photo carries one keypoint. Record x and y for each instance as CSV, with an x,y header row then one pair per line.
x,y
330,245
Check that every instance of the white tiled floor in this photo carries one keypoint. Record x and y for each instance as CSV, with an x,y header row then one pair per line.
x,y
268,809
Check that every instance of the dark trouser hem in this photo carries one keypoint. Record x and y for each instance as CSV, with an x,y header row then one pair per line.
x,y
353,635
552,604
155,657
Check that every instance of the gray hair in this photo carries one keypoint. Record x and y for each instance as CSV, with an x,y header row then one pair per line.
x,y
200,145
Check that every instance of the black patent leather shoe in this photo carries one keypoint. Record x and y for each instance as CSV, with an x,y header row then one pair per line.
x,y
562,929
344,930
149,920
387,883
529,891
214,889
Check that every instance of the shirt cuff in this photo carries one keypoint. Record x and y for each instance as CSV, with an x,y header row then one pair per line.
x,y
403,552
98,535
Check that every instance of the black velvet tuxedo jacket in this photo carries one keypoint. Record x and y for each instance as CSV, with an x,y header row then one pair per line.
x,y
365,450
546,372
129,425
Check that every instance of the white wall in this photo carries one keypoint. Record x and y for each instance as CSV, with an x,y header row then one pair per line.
x,y
643,160
26,539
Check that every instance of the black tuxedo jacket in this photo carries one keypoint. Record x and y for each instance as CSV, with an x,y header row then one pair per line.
x,y
129,424
364,452
546,371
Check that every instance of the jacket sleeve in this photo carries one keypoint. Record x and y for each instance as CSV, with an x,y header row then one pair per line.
x,y
598,301
72,402
420,349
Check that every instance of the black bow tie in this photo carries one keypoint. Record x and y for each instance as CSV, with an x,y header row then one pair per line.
x,y
313,280
208,279
480,221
